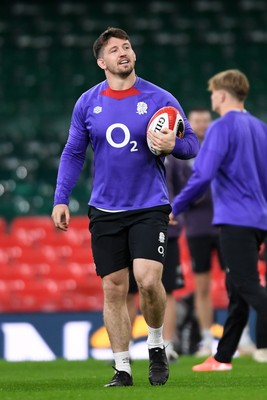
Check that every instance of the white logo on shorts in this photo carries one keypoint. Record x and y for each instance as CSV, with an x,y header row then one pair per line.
x,y
161,250
162,237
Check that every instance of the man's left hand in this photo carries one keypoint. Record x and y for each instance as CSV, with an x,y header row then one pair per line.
x,y
164,141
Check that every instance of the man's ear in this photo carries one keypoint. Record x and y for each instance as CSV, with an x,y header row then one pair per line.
x,y
223,95
101,63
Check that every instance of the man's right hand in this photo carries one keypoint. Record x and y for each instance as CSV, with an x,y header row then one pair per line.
x,y
61,216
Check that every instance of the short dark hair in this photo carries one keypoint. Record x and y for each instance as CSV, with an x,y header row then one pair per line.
x,y
105,36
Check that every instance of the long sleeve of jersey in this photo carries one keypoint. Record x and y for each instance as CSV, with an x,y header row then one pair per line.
x,y
71,163
188,146
204,171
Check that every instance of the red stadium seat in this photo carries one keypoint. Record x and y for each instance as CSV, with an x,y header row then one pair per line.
x,y
81,255
187,270
43,269
31,230
54,239
79,302
31,295
40,269
9,249
262,271
3,225
33,222
4,297
4,256
78,232
34,256
81,268
16,271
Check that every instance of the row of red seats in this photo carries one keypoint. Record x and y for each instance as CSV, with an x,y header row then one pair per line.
x,y
46,296
35,253
38,263
44,287
43,253
32,231
35,239
43,269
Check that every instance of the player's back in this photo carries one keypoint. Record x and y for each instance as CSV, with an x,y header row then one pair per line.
x,y
247,148
240,189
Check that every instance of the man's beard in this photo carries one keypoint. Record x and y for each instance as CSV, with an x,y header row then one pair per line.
x,y
121,74
125,74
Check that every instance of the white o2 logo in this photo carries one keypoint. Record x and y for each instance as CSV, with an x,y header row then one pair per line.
x,y
161,250
126,139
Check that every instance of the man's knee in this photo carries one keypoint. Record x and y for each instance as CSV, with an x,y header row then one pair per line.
x,y
115,288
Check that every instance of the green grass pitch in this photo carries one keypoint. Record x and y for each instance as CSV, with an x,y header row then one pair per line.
x,y
74,380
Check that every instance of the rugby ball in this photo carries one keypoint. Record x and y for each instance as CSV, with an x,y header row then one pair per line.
x,y
165,117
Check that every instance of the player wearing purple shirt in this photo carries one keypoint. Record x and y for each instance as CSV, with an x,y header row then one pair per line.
x,y
233,158
129,205
123,164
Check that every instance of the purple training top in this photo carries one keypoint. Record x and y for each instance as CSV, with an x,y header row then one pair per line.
x,y
233,158
127,176
198,219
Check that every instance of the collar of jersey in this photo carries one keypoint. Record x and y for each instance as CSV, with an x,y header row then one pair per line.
x,y
120,94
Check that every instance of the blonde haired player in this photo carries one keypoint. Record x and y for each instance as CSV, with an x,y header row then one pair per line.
x,y
233,159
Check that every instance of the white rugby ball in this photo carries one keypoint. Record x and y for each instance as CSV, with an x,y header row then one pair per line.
x,y
165,117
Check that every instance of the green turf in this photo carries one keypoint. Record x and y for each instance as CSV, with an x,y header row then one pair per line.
x,y
68,380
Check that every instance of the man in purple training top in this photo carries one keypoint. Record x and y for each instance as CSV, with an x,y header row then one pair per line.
x,y
129,206
233,158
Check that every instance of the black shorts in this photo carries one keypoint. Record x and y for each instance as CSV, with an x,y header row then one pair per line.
x,y
172,277
201,248
118,238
